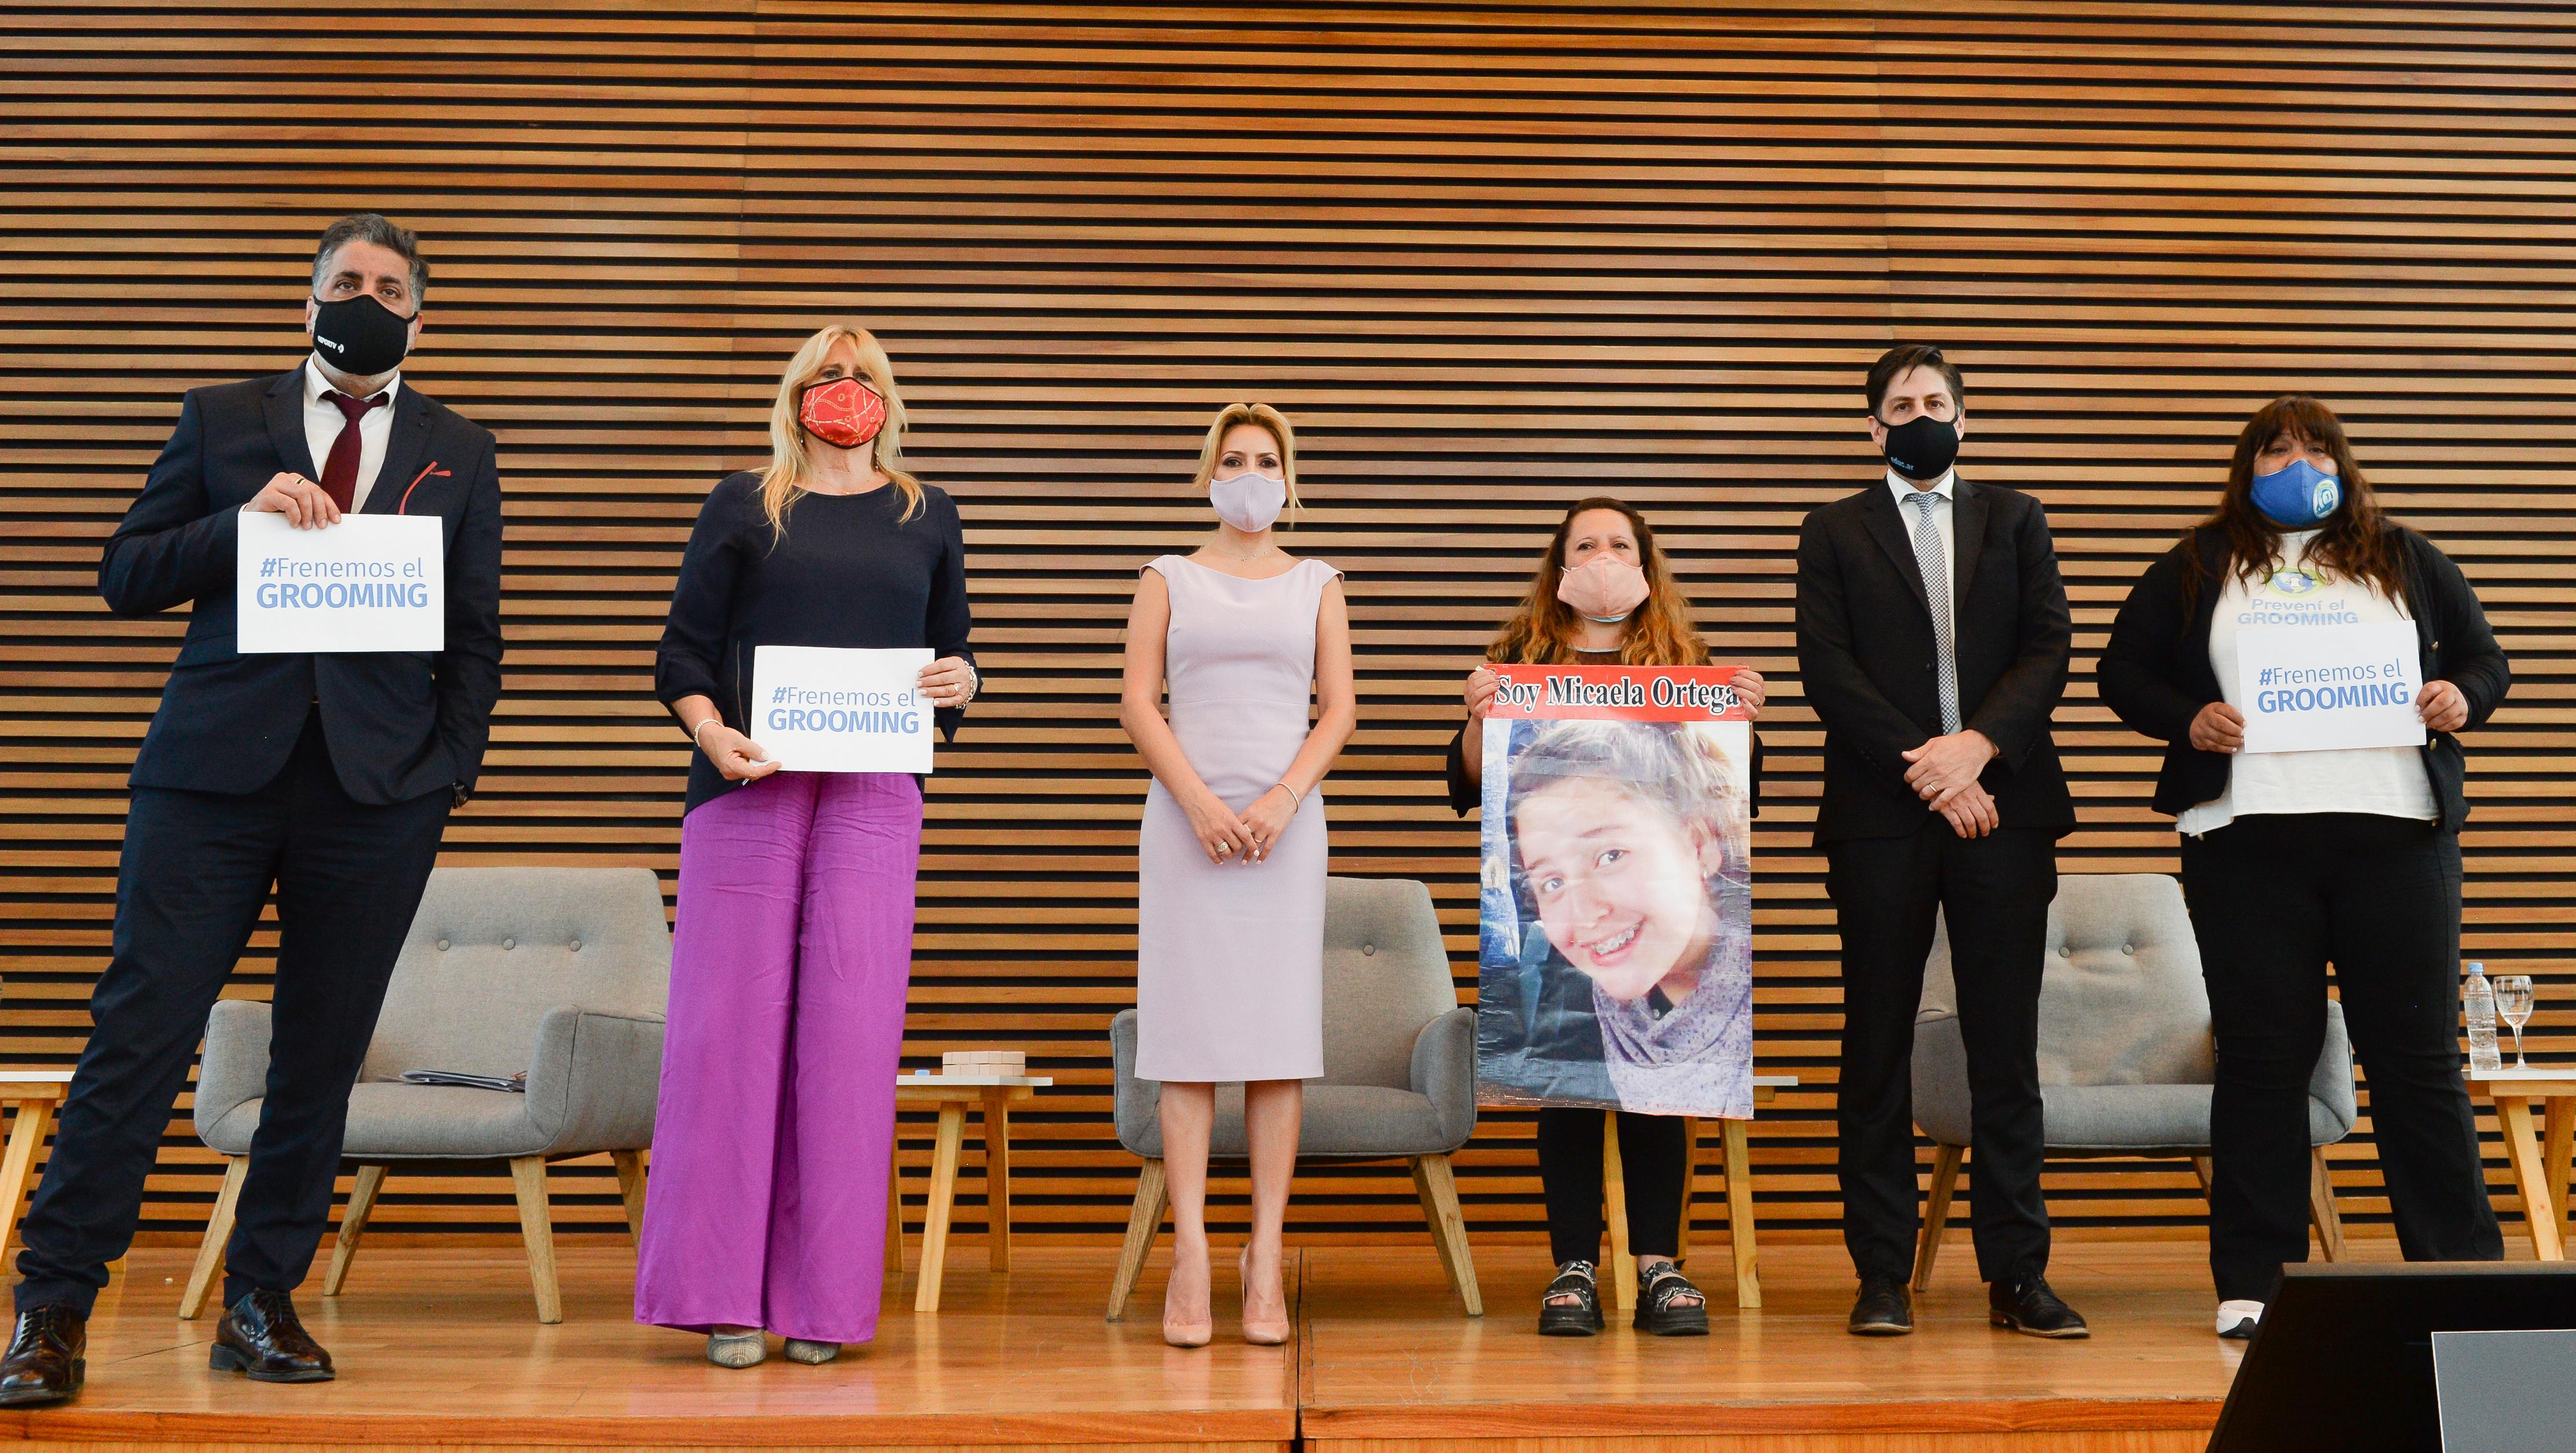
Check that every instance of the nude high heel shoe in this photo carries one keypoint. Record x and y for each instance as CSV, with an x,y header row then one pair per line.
x,y
1187,1334
1259,1334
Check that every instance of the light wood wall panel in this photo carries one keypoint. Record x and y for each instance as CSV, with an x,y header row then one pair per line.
x,y
1489,259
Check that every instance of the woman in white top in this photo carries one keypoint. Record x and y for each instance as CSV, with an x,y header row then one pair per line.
x,y
1230,857
2292,859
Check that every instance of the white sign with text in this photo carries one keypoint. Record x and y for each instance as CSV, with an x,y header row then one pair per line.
x,y
2325,688
368,583
819,709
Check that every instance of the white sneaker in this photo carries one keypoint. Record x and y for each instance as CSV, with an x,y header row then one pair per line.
x,y
2237,1320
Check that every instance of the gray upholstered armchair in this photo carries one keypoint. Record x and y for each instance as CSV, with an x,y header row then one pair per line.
x,y
1399,1074
2125,1056
559,972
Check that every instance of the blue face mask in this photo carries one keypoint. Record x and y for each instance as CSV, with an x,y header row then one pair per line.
x,y
2298,497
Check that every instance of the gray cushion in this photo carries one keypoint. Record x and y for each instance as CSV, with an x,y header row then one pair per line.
x,y
559,972
2121,998
1386,974
1399,1051
2125,1055
396,1121
492,950
1357,1122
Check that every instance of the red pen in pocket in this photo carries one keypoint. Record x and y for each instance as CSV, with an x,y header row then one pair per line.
x,y
433,468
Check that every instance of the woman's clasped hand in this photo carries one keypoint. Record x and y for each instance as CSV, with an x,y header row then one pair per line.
x,y
1241,837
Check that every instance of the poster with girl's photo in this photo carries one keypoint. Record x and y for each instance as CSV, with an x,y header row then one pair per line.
x,y
1616,952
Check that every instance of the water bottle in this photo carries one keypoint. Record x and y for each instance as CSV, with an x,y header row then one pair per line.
x,y
2479,1000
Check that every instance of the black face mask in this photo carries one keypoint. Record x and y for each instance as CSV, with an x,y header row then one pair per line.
x,y
360,336
1922,447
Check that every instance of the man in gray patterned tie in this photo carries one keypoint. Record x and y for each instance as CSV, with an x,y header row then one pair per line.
x,y
1932,641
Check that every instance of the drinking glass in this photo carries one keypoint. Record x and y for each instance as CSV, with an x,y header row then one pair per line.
x,y
2513,1006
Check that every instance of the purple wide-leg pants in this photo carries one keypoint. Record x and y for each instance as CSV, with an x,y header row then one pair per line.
x,y
793,949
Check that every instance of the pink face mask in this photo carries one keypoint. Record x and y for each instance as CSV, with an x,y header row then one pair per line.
x,y
1604,588
844,411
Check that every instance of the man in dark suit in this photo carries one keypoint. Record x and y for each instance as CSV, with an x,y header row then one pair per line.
x,y
1942,794
329,775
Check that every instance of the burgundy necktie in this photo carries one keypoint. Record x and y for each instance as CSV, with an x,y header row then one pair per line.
x,y
340,471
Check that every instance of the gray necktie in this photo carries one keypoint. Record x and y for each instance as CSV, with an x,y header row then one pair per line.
x,y
1935,564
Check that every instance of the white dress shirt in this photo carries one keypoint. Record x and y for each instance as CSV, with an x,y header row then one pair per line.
x,y
323,422
1945,590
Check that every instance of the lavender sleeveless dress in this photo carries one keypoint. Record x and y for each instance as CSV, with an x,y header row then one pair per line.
x,y
1230,957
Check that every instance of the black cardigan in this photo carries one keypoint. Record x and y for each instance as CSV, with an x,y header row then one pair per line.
x,y
849,574
2155,673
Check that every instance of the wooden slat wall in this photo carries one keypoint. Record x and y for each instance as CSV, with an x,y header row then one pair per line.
x,y
1489,259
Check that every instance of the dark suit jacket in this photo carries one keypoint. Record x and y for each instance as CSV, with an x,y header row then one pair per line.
x,y
2155,673
1865,654
400,724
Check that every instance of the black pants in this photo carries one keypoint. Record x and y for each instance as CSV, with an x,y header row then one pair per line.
x,y
1653,1158
195,870
1995,891
2273,899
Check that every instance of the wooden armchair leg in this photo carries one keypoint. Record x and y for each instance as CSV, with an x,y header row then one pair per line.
x,y
537,1228
1622,1290
2321,1208
219,1229
1739,1214
1936,1211
1144,1223
630,1189
1438,1188
353,1224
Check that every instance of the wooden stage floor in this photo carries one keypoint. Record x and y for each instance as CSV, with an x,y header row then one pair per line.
x,y
439,1349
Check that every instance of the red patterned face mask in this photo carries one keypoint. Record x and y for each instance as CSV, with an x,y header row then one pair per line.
x,y
844,412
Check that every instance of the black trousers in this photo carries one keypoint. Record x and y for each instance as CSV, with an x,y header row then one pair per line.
x,y
2273,899
1653,1158
1995,891
196,868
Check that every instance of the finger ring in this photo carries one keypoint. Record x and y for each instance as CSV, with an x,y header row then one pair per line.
x,y
1224,848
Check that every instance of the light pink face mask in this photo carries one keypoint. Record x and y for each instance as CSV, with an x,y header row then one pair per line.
x,y
1604,589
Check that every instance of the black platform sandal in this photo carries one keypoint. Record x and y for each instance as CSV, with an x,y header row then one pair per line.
x,y
1578,1318
1660,1308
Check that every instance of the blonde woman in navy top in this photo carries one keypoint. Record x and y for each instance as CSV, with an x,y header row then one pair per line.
x,y
793,948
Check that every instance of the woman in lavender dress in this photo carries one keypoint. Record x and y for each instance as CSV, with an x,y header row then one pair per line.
x,y
1231,854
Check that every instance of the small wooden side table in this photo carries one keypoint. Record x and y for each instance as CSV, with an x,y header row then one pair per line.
x,y
2540,1170
33,1094
1739,1200
953,1095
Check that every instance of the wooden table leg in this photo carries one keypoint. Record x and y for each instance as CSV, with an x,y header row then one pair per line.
x,y
2539,1207
18,1165
1739,1213
997,1179
894,1209
1614,1201
943,1197
2558,1159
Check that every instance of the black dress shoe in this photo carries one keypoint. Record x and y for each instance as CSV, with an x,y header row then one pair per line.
x,y
1883,1309
261,1336
45,1362
2030,1307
